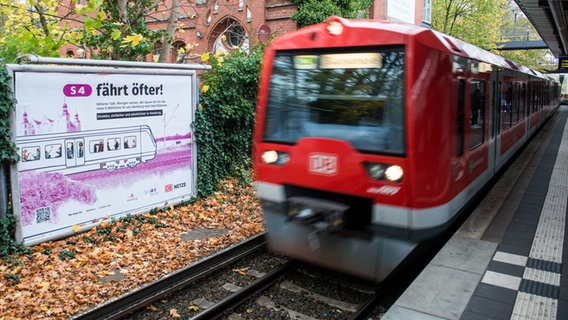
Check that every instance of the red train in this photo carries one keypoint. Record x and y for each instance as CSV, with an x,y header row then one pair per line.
x,y
371,137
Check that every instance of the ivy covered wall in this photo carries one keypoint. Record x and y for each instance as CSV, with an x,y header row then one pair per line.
x,y
224,121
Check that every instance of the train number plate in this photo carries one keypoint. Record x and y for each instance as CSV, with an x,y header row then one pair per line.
x,y
324,164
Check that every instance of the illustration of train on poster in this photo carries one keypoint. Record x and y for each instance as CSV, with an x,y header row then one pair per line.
x,y
97,145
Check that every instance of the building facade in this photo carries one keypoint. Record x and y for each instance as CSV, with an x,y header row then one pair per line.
x,y
214,25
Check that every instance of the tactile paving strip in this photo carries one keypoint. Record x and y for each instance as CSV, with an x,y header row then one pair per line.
x,y
538,296
539,285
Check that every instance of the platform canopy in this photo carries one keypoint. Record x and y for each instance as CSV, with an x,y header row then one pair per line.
x,y
549,17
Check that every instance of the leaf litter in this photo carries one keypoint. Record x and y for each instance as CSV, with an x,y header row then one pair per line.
x,y
66,277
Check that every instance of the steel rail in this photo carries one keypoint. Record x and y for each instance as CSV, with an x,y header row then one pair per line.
x,y
367,307
237,298
127,303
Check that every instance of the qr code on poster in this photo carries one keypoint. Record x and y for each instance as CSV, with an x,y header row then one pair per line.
x,y
43,214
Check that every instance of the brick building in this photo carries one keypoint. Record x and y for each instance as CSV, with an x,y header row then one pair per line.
x,y
221,24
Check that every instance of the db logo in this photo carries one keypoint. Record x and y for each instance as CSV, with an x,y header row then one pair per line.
x,y
325,164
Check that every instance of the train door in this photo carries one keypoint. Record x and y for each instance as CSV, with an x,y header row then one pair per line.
x,y
477,138
505,115
528,105
494,120
74,152
459,162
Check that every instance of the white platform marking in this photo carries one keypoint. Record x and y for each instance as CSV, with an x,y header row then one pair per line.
x,y
510,258
501,280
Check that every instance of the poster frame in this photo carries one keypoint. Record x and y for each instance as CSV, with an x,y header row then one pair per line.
x,y
31,63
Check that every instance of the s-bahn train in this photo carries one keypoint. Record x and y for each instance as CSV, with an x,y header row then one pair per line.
x,y
74,152
372,137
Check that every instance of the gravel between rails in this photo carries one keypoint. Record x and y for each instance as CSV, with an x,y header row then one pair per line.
x,y
306,293
190,301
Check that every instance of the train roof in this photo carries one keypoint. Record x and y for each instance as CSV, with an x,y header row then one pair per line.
x,y
388,33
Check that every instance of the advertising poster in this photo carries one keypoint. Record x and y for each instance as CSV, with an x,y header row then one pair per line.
x,y
99,145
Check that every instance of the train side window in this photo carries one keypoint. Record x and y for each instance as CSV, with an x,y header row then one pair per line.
x,y
540,97
525,99
515,115
69,150
96,146
113,144
507,107
80,150
478,106
129,142
533,98
30,154
461,118
53,151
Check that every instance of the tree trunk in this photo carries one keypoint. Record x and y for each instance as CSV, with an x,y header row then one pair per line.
x,y
170,32
123,19
122,16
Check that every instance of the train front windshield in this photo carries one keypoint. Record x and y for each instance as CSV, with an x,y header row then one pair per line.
x,y
353,96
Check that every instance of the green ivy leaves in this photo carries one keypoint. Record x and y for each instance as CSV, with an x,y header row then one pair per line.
x,y
316,11
8,154
8,151
224,122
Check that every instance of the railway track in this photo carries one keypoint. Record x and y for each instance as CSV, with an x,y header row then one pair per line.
x,y
248,282
239,297
296,291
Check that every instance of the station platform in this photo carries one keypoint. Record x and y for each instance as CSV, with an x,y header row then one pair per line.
x,y
508,260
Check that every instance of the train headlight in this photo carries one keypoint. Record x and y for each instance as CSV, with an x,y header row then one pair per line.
x,y
335,28
275,157
381,171
394,173
269,156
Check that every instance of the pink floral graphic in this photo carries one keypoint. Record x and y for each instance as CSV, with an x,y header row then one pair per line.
x,y
40,190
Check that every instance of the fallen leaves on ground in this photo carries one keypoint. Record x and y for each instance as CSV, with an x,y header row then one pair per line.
x,y
66,277
174,313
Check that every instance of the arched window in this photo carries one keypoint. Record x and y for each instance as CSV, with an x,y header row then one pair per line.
x,y
235,35
229,34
